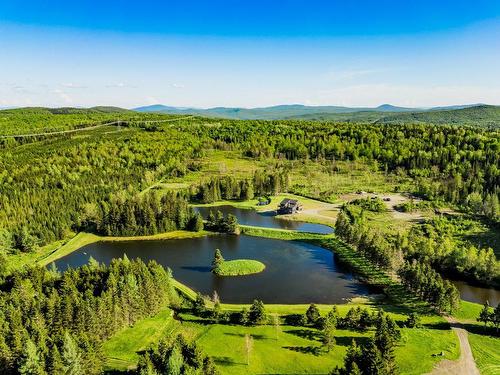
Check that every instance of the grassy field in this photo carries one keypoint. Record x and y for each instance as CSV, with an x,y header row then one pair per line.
x,y
284,350
239,267
121,350
331,178
280,234
307,203
468,311
486,352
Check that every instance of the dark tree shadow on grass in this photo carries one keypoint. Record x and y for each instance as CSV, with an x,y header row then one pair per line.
x,y
347,340
256,337
226,361
480,329
305,334
444,326
314,350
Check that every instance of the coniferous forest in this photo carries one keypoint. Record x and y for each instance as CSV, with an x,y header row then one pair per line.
x,y
145,175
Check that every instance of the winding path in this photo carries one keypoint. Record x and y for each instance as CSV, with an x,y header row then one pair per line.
x,y
465,365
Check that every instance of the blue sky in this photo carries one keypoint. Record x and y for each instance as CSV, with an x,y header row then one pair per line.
x,y
253,53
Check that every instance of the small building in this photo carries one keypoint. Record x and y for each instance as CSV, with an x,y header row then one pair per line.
x,y
289,206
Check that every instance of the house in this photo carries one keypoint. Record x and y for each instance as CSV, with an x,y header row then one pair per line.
x,y
289,206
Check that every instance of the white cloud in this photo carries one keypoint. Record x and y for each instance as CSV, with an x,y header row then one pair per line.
x,y
71,85
178,85
120,85
150,100
67,99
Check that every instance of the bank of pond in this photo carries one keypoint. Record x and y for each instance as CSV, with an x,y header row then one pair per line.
x,y
266,219
295,272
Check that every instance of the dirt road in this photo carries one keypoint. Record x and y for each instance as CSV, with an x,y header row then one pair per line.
x,y
465,365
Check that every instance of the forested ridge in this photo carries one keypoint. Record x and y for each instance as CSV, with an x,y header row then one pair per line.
x,y
47,185
113,181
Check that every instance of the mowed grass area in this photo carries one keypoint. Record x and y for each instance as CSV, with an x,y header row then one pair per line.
x,y
468,311
122,349
282,350
486,352
307,203
239,267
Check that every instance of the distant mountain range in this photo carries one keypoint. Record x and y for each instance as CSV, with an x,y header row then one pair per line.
x,y
474,114
268,113
299,111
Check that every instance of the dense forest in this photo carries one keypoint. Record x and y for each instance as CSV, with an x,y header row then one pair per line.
x,y
55,323
431,243
112,181
448,162
46,185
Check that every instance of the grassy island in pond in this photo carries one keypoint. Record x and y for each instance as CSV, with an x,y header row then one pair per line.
x,y
239,267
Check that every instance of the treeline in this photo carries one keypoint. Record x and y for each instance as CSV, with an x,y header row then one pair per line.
x,y
436,242
390,253
230,188
139,215
220,223
422,280
450,163
55,323
376,356
353,228
488,315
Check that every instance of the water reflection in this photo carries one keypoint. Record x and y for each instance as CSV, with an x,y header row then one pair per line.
x,y
295,272
265,219
477,294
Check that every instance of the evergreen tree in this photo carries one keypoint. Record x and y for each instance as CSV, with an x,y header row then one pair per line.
x,y
30,362
485,314
199,304
71,356
218,260
312,314
257,313
175,362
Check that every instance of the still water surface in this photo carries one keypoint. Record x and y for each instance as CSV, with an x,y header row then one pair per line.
x,y
296,272
265,219
477,294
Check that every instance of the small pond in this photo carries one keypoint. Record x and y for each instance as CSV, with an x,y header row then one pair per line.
x,y
296,272
477,294
267,219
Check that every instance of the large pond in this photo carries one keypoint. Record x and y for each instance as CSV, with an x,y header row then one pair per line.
x,y
296,272
267,219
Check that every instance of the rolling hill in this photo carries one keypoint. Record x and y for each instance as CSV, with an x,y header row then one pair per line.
x,y
474,114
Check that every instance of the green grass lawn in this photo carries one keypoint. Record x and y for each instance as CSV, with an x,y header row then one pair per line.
x,y
299,350
240,267
284,350
486,352
121,350
280,234
468,311
414,354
